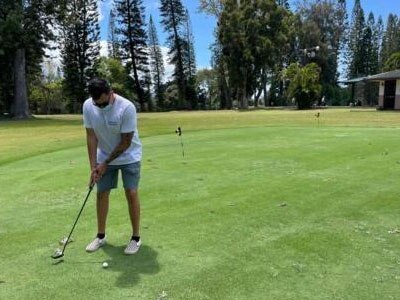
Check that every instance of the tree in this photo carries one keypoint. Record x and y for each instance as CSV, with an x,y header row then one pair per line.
x,y
24,31
379,29
211,7
80,50
251,34
391,38
134,48
157,68
189,62
356,53
189,53
371,46
215,8
323,23
114,72
113,43
173,18
284,3
207,86
393,63
219,64
304,85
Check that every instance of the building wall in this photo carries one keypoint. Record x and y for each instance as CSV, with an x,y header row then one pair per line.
x,y
381,93
397,100
359,93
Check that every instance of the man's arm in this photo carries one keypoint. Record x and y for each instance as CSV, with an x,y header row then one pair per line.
x,y
126,140
91,141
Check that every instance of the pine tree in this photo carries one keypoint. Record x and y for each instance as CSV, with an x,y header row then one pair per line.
x,y
371,58
190,56
355,59
133,37
379,29
190,62
173,18
113,44
371,44
391,38
81,48
157,68
211,7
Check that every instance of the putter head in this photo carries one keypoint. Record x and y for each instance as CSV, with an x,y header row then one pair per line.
x,y
57,254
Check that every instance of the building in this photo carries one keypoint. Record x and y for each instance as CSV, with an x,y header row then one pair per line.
x,y
389,89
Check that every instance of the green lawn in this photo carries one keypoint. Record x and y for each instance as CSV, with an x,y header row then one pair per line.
x,y
265,205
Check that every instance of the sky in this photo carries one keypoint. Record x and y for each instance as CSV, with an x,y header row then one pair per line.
x,y
203,25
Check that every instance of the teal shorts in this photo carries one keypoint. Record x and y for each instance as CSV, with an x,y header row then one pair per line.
x,y
130,177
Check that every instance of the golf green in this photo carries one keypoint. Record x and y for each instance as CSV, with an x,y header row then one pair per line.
x,y
264,205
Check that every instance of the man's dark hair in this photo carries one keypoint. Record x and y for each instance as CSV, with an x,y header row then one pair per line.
x,y
97,87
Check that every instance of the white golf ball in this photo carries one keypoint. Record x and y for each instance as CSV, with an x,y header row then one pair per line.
x,y
105,264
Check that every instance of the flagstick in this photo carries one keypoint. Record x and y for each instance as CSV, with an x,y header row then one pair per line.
x,y
183,151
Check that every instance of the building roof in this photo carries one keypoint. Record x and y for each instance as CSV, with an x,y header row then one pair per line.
x,y
378,77
384,76
353,80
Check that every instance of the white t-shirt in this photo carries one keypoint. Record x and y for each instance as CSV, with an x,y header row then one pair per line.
x,y
108,123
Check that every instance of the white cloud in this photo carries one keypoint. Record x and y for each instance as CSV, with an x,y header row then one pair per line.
x,y
104,48
169,69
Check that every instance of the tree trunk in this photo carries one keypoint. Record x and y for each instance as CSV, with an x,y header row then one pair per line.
x,y
20,106
266,102
244,99
257,97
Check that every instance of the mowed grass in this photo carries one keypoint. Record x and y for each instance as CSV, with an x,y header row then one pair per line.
x,y
264,205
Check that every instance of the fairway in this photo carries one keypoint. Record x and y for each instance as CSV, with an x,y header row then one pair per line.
x,y
270,204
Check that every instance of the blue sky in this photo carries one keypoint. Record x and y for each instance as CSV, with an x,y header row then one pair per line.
x,y
203,25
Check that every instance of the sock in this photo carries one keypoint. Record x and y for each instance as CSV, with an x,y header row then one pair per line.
x,y
101,235
135,238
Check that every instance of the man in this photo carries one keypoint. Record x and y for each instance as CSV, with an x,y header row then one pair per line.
x,y
113,144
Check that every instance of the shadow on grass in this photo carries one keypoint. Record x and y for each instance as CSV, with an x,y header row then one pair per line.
x,y
131,267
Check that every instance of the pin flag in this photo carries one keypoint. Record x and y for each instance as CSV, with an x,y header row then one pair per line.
x,y
178,131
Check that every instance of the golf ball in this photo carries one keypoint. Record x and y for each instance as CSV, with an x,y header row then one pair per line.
x,y
105,264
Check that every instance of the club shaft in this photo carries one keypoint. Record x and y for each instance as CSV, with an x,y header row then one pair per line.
x,y
77,218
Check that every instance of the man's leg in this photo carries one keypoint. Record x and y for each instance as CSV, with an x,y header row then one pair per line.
x,y
132,197
102,211
131,176
104,186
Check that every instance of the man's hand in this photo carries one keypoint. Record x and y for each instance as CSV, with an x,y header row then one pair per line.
x,y
96,175
101,169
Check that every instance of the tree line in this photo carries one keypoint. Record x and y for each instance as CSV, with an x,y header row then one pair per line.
x,y
294,54
265,53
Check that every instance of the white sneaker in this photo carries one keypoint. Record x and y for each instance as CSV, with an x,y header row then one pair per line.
x,y
96,244
132,247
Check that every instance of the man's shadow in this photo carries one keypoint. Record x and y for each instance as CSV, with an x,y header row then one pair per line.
x,y
131,266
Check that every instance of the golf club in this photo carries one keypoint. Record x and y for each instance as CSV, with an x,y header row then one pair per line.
x,y
60,253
